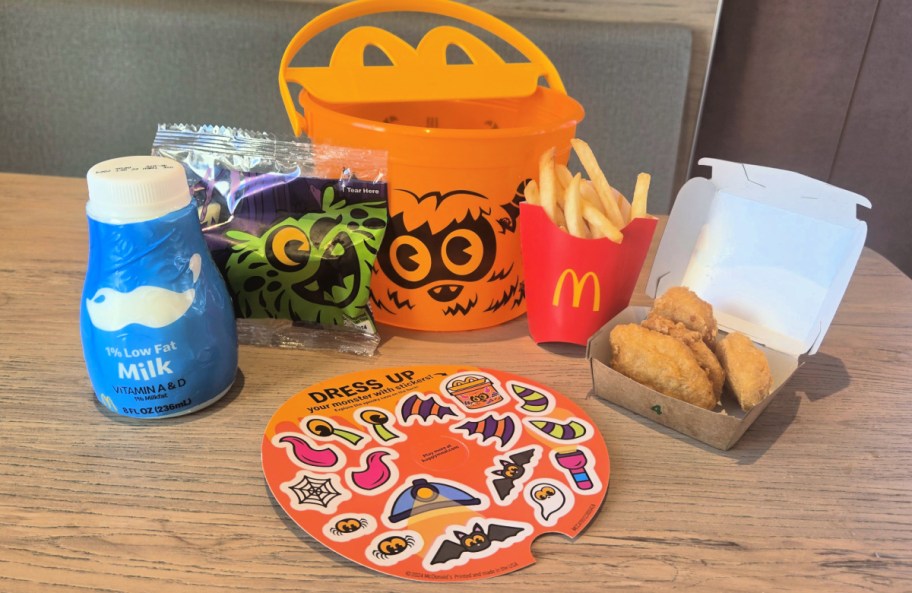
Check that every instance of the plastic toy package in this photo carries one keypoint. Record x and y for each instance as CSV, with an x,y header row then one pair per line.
x,y
294,229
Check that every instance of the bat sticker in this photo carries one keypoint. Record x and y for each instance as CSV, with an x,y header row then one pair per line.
x,y
503,430
424,410
511,472
479,539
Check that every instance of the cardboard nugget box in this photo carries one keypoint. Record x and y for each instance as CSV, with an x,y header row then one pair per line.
x,y
773,252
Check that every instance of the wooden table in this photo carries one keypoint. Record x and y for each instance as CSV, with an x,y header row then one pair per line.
x,y
817,496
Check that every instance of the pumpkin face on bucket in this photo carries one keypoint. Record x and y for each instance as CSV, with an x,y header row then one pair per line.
x,y
449,259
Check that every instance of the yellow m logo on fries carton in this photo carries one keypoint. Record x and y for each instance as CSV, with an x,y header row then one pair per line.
x,y
578,285
557,263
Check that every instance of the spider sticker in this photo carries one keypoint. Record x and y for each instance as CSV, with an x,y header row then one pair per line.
x,y
343,528
393,547
322,494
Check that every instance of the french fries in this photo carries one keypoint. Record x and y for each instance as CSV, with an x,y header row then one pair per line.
x,y
638,207
609,202
623,205
547,188
585,208
573,208
600,226
531,193
563,174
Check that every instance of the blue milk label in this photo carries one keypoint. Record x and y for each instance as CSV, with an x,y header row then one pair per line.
x,y
158,325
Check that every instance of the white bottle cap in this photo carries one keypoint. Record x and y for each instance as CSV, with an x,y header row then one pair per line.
x,y
136,188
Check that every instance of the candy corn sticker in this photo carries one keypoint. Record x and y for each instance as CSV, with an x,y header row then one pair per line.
x,y
435,473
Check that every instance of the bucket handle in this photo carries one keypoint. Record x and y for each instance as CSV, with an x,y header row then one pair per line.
x,y
447,8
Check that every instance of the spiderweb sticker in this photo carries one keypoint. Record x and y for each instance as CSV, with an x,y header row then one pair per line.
x,y
315,493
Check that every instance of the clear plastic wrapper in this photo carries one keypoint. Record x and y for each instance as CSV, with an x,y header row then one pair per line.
x,y
293,227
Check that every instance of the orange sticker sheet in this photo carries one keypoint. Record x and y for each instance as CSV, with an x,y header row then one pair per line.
x,y
435,473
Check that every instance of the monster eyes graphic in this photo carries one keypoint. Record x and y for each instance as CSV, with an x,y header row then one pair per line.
x,y
449,254
456,253
462,251
288,248
411,259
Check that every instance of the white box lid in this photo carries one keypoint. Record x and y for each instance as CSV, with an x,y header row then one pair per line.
x,y
773,251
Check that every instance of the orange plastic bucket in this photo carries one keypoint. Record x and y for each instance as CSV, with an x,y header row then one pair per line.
x,y
461,139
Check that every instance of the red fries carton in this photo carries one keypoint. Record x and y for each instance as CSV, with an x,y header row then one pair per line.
x,y
772,251
573,285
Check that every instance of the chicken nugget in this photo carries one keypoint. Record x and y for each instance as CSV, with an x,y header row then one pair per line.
x,y
746,368
661,363
705,357
684,306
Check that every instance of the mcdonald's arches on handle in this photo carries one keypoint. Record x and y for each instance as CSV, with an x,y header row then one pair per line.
x,y
420,73
417,74
573,285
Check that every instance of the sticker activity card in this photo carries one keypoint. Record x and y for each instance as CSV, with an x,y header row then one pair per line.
x,y
435,473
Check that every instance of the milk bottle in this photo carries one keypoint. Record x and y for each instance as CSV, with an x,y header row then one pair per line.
x,y
158,328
